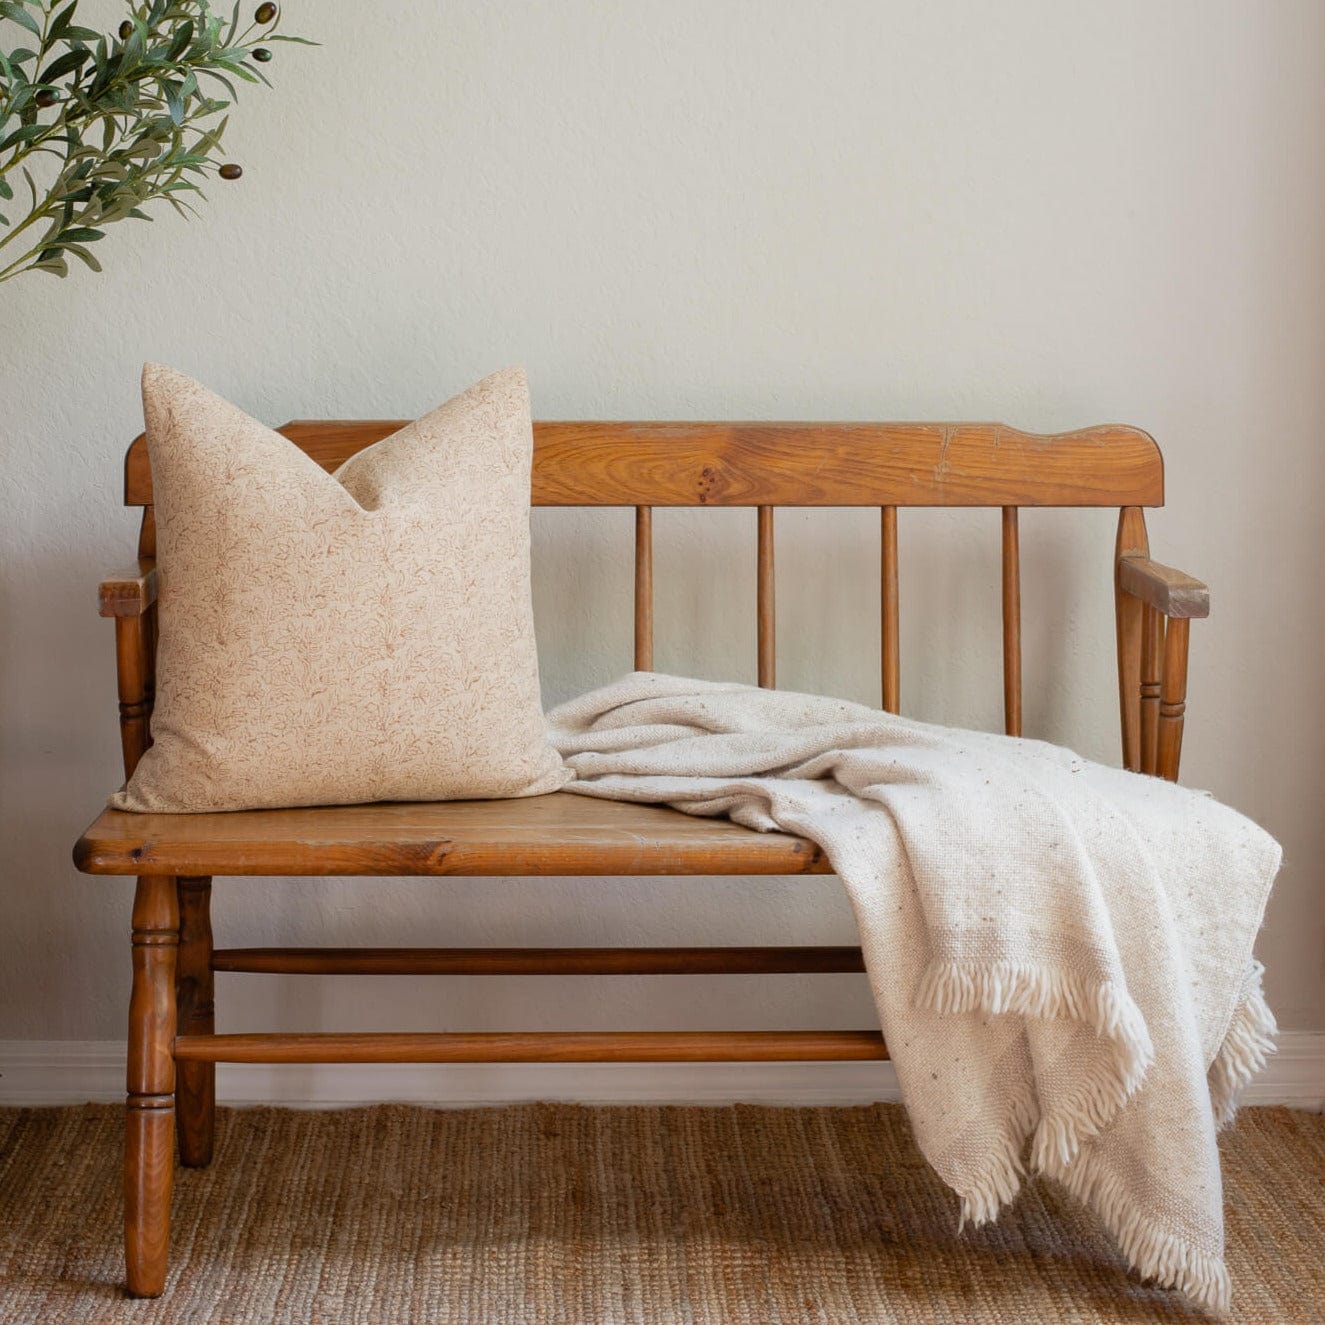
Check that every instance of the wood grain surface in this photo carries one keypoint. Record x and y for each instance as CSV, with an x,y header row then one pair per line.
x,y
536,1047
791,464
557,834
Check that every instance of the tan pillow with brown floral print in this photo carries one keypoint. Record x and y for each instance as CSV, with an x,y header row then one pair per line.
x,y
327,639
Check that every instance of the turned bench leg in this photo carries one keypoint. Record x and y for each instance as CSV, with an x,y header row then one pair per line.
x,y
195,1083
149,1140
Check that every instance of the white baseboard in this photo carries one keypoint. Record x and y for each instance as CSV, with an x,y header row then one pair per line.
x,y
76,1071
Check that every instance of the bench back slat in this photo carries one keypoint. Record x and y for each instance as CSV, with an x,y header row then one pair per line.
x,y
644,588
1152,663
890,632
1132,540
1011,623
792,464
765,602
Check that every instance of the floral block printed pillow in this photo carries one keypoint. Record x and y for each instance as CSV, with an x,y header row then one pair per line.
x,y
328,639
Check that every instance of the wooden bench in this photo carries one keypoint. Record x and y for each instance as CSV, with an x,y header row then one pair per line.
x,y
173,1048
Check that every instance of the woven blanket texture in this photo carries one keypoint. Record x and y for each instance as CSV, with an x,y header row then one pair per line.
x,y
1060,952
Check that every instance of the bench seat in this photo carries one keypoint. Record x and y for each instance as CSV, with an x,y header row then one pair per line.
x,y
559,834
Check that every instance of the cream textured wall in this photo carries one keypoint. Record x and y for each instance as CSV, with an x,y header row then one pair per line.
x,y
1049,215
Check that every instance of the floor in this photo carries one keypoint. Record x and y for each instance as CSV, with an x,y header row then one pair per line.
x,y
661,1216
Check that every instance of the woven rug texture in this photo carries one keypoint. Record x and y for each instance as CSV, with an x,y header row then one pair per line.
x,y
574,1216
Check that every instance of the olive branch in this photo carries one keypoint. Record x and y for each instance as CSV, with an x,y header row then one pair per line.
x,y
112,123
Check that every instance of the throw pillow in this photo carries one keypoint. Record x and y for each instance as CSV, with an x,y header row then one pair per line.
x,y
327,639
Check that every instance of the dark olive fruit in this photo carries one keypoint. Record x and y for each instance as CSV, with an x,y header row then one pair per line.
x,y
230,171
261,54
126,30
265,13
46,97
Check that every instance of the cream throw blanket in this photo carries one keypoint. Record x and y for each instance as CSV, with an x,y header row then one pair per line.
x,y
1061,953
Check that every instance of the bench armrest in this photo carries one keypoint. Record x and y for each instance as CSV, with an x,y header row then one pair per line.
x,y
130,593
1168,591
1156,605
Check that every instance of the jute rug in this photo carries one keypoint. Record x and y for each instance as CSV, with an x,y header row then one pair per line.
x,y
660,1216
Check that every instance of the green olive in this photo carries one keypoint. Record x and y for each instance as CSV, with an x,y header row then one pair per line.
x,y
265,13
126,30
230,171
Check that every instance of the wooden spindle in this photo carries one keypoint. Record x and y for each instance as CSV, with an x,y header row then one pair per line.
x,y
1011,623
153,617
147,534
644,588
1152,653
535,1047
766,607
1131,541
195,1014
149,1151
892,675
764,960
1173,698
134,669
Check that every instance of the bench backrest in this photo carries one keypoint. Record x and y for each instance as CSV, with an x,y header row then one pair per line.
x,y
766,465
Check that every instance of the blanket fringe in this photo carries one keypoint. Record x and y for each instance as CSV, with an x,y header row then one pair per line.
x,y
1152,1251
1030,990
1103,1090
1249,1042
1001,1181
1025,989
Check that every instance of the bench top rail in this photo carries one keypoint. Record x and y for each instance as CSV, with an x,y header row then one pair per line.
x,y
790,464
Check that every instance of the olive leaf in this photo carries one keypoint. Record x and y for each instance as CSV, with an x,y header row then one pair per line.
x,y
15,11
114,122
